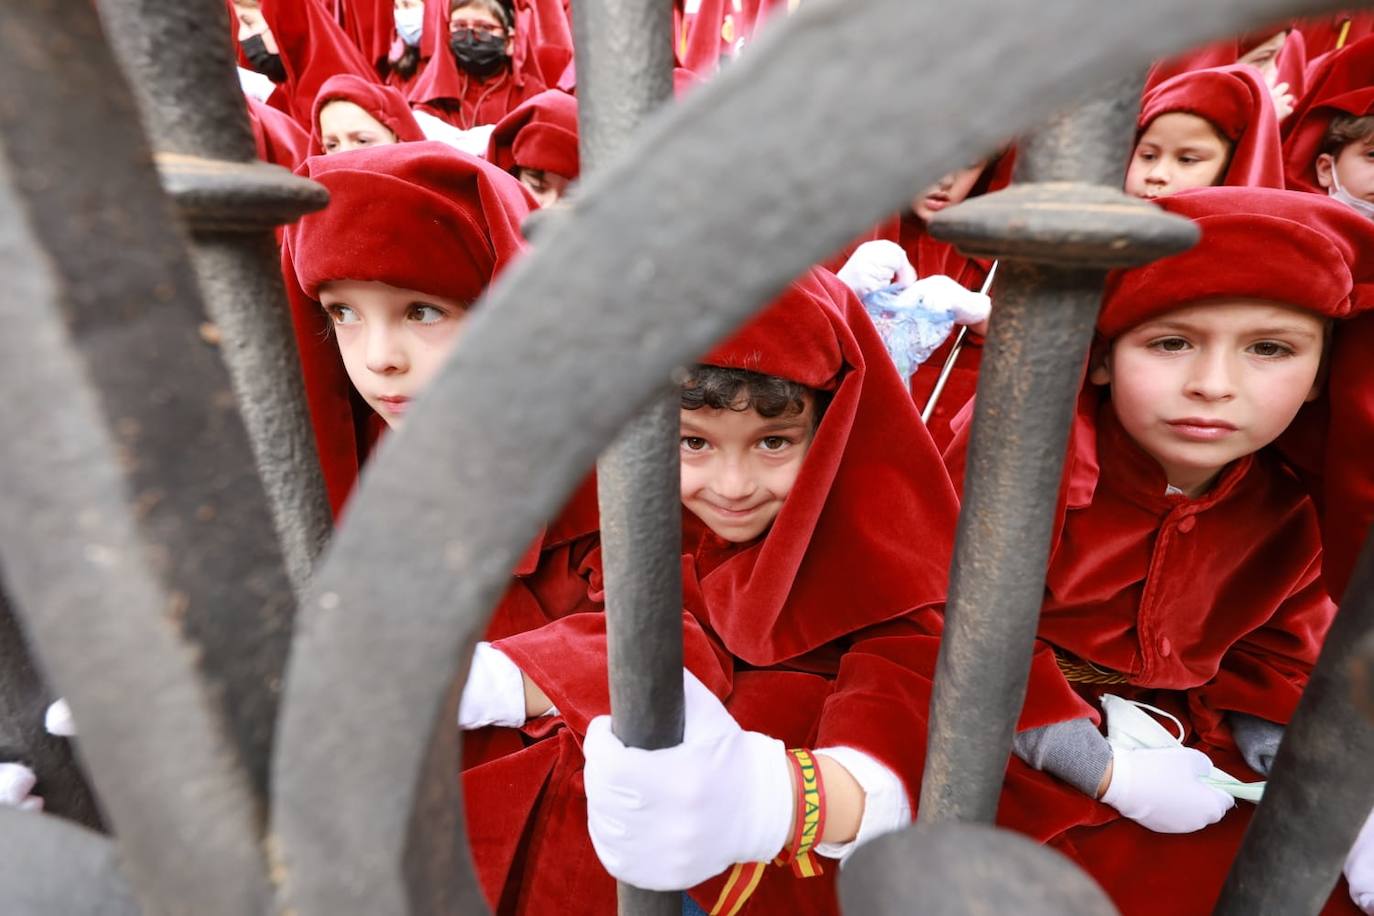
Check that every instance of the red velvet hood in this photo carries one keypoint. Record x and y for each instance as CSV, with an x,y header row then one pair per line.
x,y
867,531
313,48
1228,51
1342,82
278,138
384,103
371,26
1281,246
1323,33
1236,101
419,216
540,134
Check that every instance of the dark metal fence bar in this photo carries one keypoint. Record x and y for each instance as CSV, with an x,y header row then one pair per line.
x,y
625,74
964,870
181,66
443,516
24,698
138,545
1056,236
49,866
1320,790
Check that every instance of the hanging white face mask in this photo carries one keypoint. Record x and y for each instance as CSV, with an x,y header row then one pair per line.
x,y
1130,726
410,24
1363,207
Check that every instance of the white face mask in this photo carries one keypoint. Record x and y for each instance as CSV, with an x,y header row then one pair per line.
x,y
1363,207
1129,726
410,24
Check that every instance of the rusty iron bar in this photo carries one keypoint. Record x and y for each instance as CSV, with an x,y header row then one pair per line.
x,y
965,870
48,865
1319,791
138,544
24,697
1056,235
367,742
624,51
181,66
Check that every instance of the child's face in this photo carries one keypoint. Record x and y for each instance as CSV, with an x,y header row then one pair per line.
x,y
547,187
1353,165
479,20
1178,151
345,126
738,466
1203,385
250,23
393,341
948,191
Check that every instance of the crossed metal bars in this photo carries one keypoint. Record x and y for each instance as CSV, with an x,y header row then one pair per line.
x,y
140,547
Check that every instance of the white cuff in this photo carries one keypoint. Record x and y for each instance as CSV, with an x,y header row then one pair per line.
x,y
886,807
495,691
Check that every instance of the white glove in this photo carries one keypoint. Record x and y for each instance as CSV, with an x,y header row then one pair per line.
x,y
939,293
1359,868
876,265
495,691
1162,788
16,782
58,719
669,819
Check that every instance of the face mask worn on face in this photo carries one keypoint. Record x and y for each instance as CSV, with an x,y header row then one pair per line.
x,y
1363,207
480,55
410,25
263,60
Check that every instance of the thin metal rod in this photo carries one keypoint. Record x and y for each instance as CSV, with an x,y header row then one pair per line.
x,y
624,71
953,357
1320,791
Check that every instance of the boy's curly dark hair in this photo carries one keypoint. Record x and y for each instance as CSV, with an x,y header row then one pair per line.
x,y
720,388
1345,129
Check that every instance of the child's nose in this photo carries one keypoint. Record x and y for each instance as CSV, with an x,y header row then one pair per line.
x,y
734,482
1212,377
385,353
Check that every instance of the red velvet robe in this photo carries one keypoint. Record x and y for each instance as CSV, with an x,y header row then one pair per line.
x,y
1205,606
804,633
278,138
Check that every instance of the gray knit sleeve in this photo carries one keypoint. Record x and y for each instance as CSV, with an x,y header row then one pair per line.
x,y
1075,751
1257,739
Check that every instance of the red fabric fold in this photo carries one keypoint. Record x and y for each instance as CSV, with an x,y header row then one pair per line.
x,y
539,134
313,48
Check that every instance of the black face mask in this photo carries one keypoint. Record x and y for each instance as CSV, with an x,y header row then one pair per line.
x,y
263,60
480,55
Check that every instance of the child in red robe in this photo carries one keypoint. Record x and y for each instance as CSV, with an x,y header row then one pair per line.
x,y
380,281
478,76
1186,568
537,143
353,113
1204,128
815,520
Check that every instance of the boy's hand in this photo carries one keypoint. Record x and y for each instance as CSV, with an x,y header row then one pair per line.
x,y
16,782
939,293
495,691
1161,788
669,819
1359,868
876,265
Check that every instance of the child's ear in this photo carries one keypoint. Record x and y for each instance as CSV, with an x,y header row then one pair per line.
x,y
1100,363
1326,163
